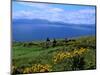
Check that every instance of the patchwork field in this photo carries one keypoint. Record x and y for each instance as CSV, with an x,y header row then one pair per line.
x,y
54,55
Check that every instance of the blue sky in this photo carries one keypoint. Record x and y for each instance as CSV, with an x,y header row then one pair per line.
x,y
54,12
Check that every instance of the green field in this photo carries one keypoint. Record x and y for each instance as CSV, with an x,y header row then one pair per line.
x,y
65,55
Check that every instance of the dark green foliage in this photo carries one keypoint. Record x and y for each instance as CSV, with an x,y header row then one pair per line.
x,y
92,66
47,39
47,43
78,62
54,42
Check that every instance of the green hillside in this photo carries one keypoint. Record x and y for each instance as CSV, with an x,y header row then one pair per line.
x,y
63,55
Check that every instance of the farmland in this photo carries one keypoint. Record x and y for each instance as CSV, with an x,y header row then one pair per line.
x,y
69,54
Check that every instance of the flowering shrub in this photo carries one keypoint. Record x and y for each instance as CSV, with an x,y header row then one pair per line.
x,y
59,56
34,68
38,68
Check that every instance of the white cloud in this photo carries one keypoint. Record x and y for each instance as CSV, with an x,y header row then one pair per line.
x,y
57,10
82,16
87,11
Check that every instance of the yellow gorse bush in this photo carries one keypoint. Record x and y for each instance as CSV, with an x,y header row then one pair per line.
x,y
63,55
38,68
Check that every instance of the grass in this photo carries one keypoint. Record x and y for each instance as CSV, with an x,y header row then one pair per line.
x,y
27,54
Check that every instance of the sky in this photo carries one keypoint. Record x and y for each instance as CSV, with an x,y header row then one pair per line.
x,y
74,14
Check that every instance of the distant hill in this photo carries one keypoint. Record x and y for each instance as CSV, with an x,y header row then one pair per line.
x,y
42,21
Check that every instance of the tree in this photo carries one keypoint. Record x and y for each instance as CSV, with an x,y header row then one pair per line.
x,y
47,42
48,39
66,40
54,42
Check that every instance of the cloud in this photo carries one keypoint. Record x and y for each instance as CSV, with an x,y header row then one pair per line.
x,y
51,13
37,5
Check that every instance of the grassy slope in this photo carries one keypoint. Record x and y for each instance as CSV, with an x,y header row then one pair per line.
x,y
26,56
